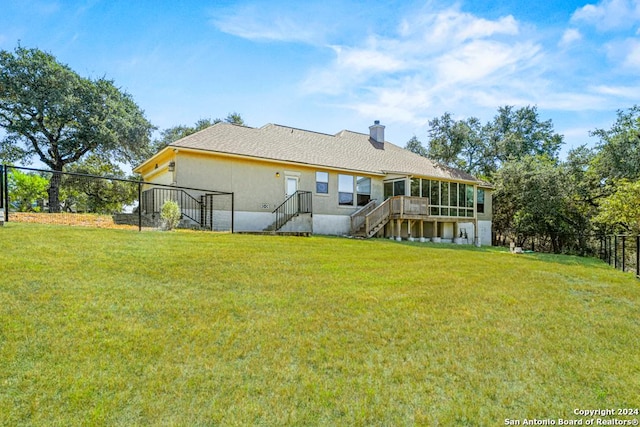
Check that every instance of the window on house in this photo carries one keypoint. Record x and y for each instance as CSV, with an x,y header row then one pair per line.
x,y
345,190
453,194
363,190
388,190
415,187
425,188
394,188
470,196
480,202
398,188
444,197
435,193
322,182
462,194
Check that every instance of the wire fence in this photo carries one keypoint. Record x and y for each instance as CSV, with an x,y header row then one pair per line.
x,y
66,198
622,252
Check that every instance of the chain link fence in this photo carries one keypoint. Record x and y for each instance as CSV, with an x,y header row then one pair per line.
x,y
64,198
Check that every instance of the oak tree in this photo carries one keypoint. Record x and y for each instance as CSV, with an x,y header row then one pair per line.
x,y
49,112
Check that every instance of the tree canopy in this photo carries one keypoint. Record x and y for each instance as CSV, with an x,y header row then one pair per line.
x,y
482,149
538,197
51,113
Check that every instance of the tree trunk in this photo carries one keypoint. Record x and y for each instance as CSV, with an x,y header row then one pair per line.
x,y
54,192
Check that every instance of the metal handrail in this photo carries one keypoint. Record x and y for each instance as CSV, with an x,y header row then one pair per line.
x,y
159,196
297,203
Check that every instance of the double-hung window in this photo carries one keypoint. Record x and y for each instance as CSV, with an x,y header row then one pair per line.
x,y
480,202
345,190
363,190
322,182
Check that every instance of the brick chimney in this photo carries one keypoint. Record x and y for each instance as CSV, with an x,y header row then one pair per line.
x,y
376,132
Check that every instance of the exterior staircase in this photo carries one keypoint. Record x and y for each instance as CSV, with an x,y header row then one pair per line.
x,y
371,218
294,206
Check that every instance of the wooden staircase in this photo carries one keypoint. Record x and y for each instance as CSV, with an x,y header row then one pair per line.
x,y
367,221
370,219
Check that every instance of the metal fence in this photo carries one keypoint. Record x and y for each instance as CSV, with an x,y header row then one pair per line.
x,y
622,252
68,198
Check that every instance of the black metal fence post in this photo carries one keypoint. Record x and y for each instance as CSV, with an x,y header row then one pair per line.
x,y
6,193
1,186
139,206
638,255
624,252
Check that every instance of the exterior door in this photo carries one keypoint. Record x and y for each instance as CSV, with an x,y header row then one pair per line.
x,y
292,186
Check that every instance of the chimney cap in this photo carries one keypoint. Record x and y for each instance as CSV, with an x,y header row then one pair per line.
x,y
376,122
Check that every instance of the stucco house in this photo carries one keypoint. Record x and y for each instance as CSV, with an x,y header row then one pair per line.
x,y
350,183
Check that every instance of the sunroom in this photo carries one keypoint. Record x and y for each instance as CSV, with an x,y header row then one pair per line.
x,y
424,209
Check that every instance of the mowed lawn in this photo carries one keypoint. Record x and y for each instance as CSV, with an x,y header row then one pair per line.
x,y
190,328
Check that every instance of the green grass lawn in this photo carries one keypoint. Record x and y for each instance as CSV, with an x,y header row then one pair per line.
x,y
185,328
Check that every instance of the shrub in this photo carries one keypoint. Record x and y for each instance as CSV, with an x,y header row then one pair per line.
x,y
170,215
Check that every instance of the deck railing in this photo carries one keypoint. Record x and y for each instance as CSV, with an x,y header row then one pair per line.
x,y
371,218
377,216
409,206
358,217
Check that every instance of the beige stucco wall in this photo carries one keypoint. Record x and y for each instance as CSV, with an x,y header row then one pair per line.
x,y
260,186
488,206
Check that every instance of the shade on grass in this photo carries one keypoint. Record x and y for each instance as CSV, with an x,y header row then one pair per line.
x,y
183,328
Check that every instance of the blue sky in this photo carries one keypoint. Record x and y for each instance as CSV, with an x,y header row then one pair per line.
x,y
332,65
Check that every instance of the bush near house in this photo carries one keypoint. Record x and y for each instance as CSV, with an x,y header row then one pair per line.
x,y
170,215
105,326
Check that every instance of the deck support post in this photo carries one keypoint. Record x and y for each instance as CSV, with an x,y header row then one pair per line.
x,y
422,238
399,235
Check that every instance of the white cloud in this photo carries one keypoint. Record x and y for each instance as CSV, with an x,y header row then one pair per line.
x,y
570,37
268,24
367,60
632,60
608,15
624,55
484,61
439,61
453,26
629,92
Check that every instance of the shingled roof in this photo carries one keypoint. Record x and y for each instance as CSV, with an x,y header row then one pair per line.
x,y
345,150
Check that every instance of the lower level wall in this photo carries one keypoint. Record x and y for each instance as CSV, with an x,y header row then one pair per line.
x,y
484,232
445,231
340,225
332,225
252,221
